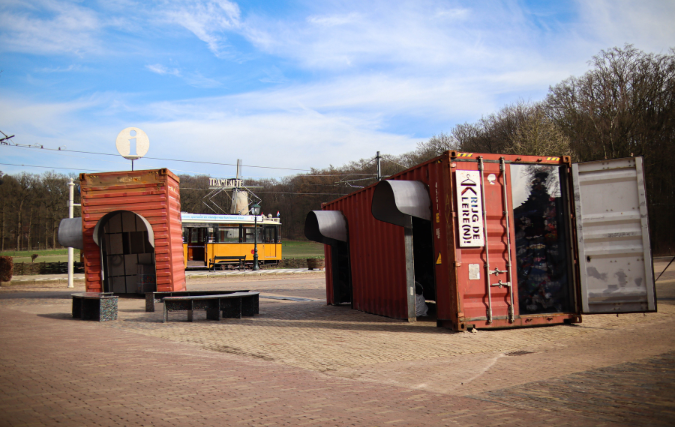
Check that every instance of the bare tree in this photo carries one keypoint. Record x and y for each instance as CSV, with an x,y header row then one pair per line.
x,y
624,106
538,135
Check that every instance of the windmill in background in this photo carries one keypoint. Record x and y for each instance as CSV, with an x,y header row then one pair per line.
x,y
242,198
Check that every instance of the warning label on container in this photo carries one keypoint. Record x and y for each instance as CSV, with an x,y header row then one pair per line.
x,y
470,209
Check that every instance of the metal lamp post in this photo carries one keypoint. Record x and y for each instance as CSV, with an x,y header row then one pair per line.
x,y
255,209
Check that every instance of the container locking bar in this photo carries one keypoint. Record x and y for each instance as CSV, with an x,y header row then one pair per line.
x,y
502,168
488,311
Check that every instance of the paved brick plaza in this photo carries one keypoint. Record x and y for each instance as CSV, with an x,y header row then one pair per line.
x,y
305,363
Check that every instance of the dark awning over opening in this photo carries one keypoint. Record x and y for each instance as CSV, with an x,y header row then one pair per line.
x,y
394,200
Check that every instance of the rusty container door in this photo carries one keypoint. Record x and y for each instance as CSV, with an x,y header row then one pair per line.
x,y
514,251
148,199
484,279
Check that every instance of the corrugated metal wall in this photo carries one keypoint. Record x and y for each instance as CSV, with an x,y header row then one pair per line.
x,y
152,194
377,249
377,258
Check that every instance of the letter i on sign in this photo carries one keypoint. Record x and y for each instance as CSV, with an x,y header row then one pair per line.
x,y
132,143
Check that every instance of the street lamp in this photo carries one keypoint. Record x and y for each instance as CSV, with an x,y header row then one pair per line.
x,y
255,210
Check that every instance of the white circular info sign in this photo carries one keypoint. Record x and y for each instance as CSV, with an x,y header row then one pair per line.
x,y
132,143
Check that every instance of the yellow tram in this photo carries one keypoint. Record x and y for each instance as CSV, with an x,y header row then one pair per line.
x,y
206,236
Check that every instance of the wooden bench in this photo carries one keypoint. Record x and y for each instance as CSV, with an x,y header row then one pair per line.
x,y
157,297
217,260
99,306
233,305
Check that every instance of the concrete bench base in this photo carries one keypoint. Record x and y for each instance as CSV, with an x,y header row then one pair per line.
x,y
99,306
157,297
233,305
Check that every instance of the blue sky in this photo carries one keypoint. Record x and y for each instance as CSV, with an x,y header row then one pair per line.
x,y
288,84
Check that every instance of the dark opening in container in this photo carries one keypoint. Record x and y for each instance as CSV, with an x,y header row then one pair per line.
x,y
423,254
127,254
541,239
330,228
342,284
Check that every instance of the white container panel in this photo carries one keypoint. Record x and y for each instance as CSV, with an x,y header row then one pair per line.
x,y
615,260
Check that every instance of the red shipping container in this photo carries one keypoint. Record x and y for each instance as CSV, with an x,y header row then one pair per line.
x,y
490,241
132,232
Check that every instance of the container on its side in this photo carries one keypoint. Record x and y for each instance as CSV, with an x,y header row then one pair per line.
x,y
424,231
132,219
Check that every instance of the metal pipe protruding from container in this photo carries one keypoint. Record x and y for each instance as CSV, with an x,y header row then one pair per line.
x,y
485,233
502,167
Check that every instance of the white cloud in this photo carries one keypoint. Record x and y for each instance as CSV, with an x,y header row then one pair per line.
x,y
289,140
408,34
208,20
296,137
48,27
162,70
195,79
72,67
647,24
334,20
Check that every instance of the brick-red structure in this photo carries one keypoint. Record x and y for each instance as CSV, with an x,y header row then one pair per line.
x,y
153,196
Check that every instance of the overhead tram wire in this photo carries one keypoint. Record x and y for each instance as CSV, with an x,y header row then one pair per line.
x,y
277,192
51,167
41,147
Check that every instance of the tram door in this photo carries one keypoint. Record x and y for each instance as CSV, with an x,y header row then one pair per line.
x,y
196,246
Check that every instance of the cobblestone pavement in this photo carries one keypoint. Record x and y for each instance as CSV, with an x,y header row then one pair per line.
x,y
302,362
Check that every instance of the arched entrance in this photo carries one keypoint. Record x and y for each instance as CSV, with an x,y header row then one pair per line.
x,y
127,246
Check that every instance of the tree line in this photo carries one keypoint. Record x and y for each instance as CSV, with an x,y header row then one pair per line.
x,y
31,208
623,106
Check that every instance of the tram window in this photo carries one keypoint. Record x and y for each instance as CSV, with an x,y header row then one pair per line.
x,y
211,236
248,235
197,235
228,234
185,235
270,235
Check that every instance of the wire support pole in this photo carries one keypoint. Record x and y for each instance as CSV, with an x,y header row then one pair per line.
x,y
71,209
379,170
